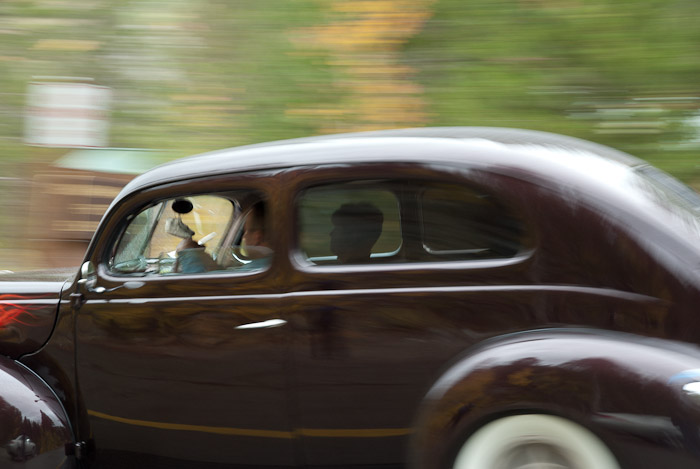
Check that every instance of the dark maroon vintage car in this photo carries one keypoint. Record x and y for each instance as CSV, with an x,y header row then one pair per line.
x,y
465,298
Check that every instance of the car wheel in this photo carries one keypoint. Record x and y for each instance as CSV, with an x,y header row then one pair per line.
x,y
534,441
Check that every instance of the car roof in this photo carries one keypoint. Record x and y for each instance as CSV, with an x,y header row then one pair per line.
x,y
517,149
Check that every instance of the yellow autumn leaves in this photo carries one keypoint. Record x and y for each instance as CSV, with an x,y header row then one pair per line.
x,y
363,41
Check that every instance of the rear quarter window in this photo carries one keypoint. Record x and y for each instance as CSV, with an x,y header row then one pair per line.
x,y
461,223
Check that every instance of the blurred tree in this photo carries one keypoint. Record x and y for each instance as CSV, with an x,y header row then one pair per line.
x,y
617,72
188,75
194,75
363,41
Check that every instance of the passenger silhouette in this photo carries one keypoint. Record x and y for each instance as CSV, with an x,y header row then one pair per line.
x,y
356,228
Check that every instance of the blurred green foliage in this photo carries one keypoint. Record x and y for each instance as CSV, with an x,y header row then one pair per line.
x,y
618,72
194,75
186,75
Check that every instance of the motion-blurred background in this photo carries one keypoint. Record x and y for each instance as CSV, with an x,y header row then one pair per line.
x,y
93,92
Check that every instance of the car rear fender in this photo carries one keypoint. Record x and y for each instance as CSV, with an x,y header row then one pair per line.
x,y
587,376
34,427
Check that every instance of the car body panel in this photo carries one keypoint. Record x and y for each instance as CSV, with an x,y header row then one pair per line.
x,y
494,147
35,428
185,381
189,379
599,379
363,335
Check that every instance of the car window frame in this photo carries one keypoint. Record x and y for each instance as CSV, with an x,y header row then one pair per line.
x,y
497,203
118,217
369,186
141,275
408,171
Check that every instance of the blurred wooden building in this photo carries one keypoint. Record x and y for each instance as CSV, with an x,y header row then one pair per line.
x,y
70,197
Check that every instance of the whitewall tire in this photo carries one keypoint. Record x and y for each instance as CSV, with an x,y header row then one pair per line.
x,y
534,441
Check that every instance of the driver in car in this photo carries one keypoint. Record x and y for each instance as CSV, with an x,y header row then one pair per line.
x,y
192,258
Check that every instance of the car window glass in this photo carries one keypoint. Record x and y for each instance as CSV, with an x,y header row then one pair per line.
x,y
193,234
404,221
348,224
460,223
134,241
248,245
208,220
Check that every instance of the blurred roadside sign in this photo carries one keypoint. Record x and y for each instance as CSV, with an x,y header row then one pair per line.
x,y
67,114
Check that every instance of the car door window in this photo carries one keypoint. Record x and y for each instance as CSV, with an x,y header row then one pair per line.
x,y
349,224
192,235
134,241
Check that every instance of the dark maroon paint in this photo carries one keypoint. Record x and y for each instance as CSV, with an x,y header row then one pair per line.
x,y
385,365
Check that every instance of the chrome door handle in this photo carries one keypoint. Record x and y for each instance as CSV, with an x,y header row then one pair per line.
x,y
263,324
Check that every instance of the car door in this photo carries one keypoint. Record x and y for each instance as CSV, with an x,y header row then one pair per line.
x,y
181,361
374,328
